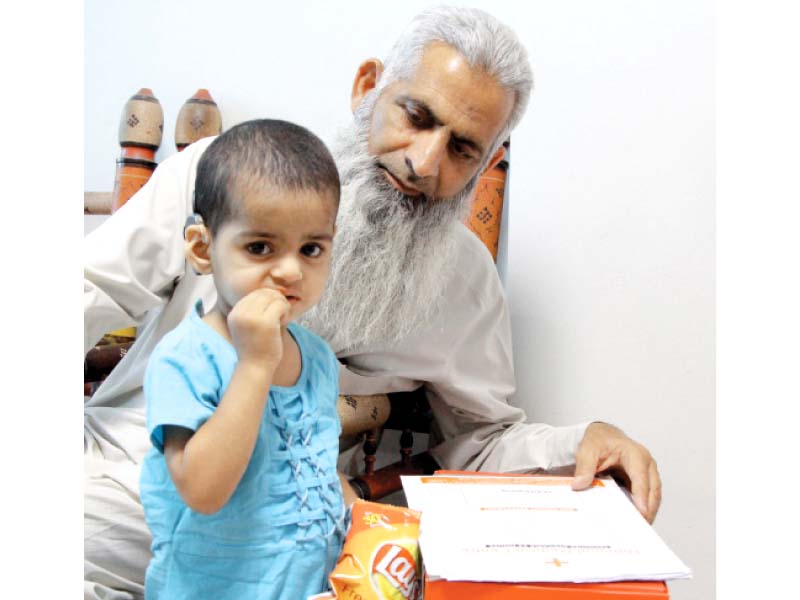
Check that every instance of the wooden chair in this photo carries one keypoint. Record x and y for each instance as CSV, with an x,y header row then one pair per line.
x,y
367,417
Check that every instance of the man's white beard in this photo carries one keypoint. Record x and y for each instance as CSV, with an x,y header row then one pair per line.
x,y
390,256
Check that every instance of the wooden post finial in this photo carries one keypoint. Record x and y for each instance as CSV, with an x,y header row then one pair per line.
x,y
199,117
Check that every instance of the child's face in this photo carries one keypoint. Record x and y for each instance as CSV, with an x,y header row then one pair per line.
x,y
280,239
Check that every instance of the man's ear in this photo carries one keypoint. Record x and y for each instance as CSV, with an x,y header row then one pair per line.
x,y
369,72
197,248
496,158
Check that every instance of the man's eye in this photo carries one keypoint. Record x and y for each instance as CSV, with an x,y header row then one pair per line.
x,y
311,250
258,248
416,118
461,150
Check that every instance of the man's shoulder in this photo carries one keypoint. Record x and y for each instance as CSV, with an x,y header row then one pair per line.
x,y
174,176
475,267
184,163
471,247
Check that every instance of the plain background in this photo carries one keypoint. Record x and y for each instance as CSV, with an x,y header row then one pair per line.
x,y
608,259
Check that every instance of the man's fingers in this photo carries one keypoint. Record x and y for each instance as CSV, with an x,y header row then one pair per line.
x,y
637,466
586,459
606,447
654,500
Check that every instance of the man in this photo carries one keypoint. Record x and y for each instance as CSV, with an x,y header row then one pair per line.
x,y
413,299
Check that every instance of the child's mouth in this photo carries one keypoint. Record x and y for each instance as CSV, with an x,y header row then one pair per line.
x,y
290,298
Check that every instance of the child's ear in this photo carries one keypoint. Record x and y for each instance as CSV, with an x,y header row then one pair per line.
x,y
197,247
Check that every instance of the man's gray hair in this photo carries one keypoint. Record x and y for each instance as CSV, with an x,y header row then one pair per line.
x,y
482,40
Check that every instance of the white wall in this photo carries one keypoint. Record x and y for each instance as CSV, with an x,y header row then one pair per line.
x,y
610,244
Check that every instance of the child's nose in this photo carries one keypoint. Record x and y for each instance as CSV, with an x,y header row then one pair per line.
x,y
287,270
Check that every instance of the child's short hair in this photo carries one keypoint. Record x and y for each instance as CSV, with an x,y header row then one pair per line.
x,y
270,150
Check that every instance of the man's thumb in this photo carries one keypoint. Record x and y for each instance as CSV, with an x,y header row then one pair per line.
x,y
585,468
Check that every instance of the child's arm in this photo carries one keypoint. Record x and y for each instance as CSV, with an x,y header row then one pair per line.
x,y
207,465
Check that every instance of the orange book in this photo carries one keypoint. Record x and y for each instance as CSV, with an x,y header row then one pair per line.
x,y
484,590
441,589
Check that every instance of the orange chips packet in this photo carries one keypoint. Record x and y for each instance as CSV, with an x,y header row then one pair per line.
x,y
380,557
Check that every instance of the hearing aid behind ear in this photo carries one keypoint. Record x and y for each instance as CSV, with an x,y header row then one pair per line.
x,y
195,219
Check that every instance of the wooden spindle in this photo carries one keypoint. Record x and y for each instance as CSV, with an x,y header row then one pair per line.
x,y
370,449
140,131
406,446
141,128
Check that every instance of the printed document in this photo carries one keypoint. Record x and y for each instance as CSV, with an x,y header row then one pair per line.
x,y
535,528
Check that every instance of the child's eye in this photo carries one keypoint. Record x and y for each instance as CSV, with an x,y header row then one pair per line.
x,y
311,250
258,248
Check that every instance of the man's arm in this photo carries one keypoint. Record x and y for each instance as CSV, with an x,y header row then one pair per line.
x,y
469,394
469,391
131,262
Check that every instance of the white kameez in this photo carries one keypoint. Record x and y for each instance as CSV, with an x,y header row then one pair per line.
x,y
135,274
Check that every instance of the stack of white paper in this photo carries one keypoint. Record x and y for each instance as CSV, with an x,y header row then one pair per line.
x,y
533,528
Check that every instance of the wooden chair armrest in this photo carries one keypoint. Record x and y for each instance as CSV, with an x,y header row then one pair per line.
x,y
100,360
362,413
386,480
407,412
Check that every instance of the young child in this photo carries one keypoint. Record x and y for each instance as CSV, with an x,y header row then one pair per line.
x,y
240,490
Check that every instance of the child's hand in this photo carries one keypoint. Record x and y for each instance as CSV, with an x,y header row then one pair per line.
x,y
255,326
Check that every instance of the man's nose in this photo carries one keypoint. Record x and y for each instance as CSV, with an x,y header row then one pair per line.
x,y
287,270
424,155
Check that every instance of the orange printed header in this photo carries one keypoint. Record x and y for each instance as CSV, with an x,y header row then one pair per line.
x,y
505,480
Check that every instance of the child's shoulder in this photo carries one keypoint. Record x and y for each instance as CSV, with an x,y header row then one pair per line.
x,y
191,340
311,345
308,339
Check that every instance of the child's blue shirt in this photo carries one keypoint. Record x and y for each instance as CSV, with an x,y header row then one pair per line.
x,y
281,532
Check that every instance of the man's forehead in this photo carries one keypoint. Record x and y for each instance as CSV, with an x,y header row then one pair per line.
x,y
455,91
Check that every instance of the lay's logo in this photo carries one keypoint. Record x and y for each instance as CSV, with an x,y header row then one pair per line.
x,y
396,564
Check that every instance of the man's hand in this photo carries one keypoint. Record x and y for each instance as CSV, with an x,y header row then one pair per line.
x,y
605,447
